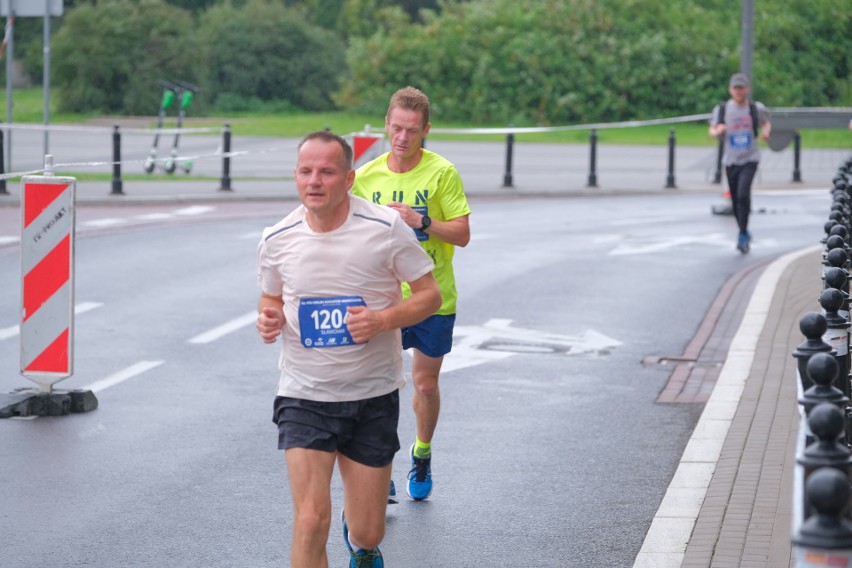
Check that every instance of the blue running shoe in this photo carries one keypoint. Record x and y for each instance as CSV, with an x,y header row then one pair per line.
x,y
362,558
420,477
392,500
743,242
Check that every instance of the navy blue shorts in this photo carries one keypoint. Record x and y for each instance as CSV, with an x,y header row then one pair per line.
x,y
361,430
432,336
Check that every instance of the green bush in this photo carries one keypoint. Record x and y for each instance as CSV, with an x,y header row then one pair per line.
x,y
108,56
572,61
265,51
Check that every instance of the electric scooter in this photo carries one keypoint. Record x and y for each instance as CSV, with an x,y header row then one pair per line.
x,y
185,92
165,104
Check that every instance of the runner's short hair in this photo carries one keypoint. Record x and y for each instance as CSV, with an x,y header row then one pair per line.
x,y
410,98
326,136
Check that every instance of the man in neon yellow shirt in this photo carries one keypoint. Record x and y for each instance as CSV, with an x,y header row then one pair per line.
x,y
427,192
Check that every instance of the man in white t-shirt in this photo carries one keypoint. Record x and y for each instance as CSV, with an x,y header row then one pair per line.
x,y
330,275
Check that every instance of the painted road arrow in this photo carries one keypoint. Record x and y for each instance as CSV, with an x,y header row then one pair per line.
x,y
497,339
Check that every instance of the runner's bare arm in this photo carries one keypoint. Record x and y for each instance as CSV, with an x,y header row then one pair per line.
x,y
364,323
270,317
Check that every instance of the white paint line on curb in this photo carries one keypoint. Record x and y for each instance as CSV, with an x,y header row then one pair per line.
x,y
666,541
225,328
123,375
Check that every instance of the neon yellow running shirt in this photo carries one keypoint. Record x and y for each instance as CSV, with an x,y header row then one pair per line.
x,y
432,188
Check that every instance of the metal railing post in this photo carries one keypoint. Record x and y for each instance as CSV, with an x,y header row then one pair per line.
x,y
116,162
670,179
797,151
225,183
507,176
3,190
593,158
717,177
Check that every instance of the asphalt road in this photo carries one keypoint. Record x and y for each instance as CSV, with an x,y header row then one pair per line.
x,y
551,450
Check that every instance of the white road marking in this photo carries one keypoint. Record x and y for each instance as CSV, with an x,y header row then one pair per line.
x,y
154,216
105,222
81,308
497,339
225,328
651,244
184,212
7,240
195,210
644,221
123,375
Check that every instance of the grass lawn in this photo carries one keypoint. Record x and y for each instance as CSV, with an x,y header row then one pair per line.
x,y
29,106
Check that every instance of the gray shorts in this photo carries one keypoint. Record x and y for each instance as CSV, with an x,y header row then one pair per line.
x,y
362,430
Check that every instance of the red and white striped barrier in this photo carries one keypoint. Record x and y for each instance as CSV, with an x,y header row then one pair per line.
x,y
365,147
47,287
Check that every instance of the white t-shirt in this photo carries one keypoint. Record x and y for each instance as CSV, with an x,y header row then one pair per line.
x,y
318,275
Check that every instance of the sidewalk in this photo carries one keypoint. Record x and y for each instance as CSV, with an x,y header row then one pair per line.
x,y
730,503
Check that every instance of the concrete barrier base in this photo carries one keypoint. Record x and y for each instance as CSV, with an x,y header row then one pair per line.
x,y
26,403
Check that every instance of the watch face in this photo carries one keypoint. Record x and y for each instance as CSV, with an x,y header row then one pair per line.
x,y
426,222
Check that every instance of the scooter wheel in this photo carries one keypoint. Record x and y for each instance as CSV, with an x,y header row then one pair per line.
x,y
169,166
149,166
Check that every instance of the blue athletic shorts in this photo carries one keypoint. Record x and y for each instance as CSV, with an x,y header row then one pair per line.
x,y
432,336
361,430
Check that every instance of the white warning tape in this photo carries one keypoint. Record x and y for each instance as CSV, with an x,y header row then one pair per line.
x,y
597,126
106,129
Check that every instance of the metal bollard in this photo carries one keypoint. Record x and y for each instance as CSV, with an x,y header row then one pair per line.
x,y
3,190
507,176
225,182
822,370
836,242
812,326
593,158
826,424
837,258
797,151
116,162
717,177
825,538
837,335
838,279
670,179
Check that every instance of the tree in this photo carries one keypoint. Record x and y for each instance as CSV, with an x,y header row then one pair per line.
x,y
264,51
569,61
108,56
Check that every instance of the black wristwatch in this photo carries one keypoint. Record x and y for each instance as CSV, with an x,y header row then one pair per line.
x,y
426,222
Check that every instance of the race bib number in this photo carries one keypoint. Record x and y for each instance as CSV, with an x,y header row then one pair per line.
x,y
421,235
741,141
322,321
